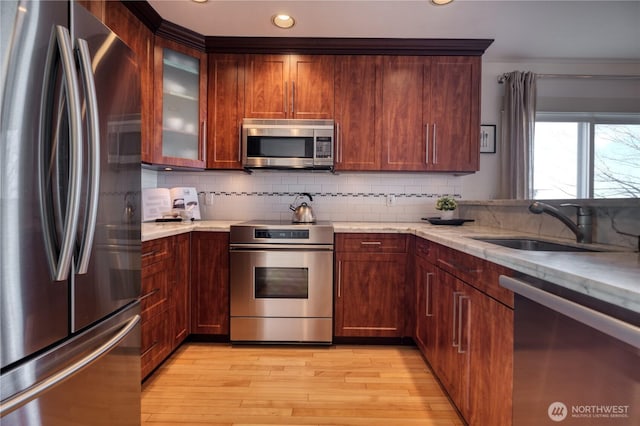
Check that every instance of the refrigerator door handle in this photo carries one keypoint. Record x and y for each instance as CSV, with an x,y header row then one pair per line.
x,y
35,391
93,130
60,267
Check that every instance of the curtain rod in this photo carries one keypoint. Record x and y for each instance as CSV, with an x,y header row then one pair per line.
x,y
503,77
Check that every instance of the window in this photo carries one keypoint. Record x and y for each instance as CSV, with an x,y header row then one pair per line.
x,y
586,156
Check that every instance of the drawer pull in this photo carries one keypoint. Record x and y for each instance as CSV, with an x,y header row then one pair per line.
x,y
152,347
459,267
371,243
149,254
151,293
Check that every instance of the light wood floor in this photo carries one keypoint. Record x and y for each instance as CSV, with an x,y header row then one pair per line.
x,y
217,384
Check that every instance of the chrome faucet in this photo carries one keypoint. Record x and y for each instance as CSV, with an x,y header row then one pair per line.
x,y
582,229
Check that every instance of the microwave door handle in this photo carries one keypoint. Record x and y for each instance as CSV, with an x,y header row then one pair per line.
x,y
93,125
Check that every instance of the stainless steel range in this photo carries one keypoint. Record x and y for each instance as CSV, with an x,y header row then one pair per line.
x,y
281,282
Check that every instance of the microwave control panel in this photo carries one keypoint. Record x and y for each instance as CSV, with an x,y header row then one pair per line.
x,y
324,144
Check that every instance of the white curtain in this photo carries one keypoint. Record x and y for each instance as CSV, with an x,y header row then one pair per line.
x,y
517,131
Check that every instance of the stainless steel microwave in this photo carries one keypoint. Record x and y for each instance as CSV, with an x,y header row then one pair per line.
x,y
287,144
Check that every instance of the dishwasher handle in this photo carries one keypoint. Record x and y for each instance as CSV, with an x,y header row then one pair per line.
x,y
610,326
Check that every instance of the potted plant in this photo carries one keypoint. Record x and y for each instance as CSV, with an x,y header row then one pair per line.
x,y
447,205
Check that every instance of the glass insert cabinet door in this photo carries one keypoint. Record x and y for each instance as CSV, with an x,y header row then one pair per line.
x,y
180,106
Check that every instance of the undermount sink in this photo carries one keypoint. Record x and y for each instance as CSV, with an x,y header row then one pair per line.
x,y
533,245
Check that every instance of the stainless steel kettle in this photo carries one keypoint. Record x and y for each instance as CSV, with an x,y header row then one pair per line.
x,y
302,213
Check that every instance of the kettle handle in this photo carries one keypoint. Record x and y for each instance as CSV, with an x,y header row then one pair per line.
x,y
308,195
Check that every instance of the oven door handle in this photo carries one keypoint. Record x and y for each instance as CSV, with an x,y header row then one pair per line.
x,y
280,247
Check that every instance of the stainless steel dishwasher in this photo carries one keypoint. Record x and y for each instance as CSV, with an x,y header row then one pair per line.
x,y
576,359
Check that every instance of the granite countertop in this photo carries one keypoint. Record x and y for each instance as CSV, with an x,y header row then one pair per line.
x,y
153,231
612,276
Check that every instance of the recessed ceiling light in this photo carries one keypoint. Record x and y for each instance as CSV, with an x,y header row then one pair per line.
x,y
199,1
441,2
283,21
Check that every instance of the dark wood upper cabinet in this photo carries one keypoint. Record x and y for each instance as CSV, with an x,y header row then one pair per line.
x,y
358,95
180,112
140,39
454,113
431,113
226,110
405,104
289,86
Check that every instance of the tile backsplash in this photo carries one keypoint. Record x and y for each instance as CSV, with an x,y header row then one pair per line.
x,y
390,197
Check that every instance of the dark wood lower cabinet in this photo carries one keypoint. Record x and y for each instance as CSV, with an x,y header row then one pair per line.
x,y
164,298
157,262
465,334
180,294
210,283
463,322
369,285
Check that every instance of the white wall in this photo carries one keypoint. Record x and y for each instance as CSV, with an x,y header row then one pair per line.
x,y
484,184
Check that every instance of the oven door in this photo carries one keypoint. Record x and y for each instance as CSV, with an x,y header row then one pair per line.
x,y
281,284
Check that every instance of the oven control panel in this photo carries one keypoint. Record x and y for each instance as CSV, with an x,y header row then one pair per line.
x,y
282,234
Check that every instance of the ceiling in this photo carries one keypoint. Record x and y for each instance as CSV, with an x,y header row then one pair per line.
x,y
589,31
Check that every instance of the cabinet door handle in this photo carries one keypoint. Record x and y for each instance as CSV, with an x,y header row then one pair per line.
x,y
293,98
426,143
428,312
203,127
462,328
286,96
338,144
456,303
240,142
339,279
435,144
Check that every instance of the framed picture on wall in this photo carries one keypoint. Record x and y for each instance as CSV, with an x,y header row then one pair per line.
x,y
488,138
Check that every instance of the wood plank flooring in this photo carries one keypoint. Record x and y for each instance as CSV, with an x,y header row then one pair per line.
x,y
220,384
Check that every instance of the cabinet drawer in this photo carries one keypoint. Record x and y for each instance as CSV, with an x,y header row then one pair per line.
x,y
426,250
155,288
155,344
372,243
477,272
155,251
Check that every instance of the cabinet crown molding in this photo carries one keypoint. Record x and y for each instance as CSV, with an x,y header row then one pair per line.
x,y
305,45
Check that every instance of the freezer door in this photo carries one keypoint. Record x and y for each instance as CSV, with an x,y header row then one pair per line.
x,y
93,379
110,215
33,307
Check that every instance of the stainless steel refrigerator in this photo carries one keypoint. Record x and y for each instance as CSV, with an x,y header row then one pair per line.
x,y
69,219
